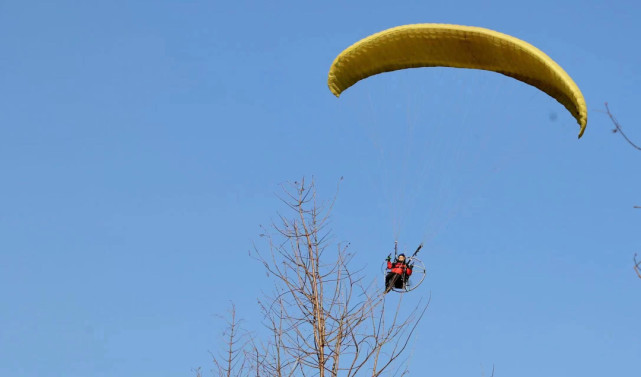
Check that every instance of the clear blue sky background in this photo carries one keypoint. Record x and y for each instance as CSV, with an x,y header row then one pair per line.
x,y
142,142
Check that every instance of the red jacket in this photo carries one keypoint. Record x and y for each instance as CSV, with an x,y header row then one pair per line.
x,y
399,268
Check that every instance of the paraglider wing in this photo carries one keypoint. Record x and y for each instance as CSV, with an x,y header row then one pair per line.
x,y
440,45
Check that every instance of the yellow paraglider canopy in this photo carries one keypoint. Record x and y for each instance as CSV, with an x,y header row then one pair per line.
x,y
440,45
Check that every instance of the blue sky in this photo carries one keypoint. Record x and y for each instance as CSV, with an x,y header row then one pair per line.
x,y
141,144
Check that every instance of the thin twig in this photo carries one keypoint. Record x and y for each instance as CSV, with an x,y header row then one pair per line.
x,y
618,126
483,371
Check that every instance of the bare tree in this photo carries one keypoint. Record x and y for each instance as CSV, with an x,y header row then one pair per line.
x,y
322,317
637,266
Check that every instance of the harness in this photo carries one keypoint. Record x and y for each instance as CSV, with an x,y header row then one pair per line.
x,y
399,268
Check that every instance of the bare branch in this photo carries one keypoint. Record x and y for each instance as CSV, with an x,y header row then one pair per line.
x,y
618,129
483,371
231,361
617,126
